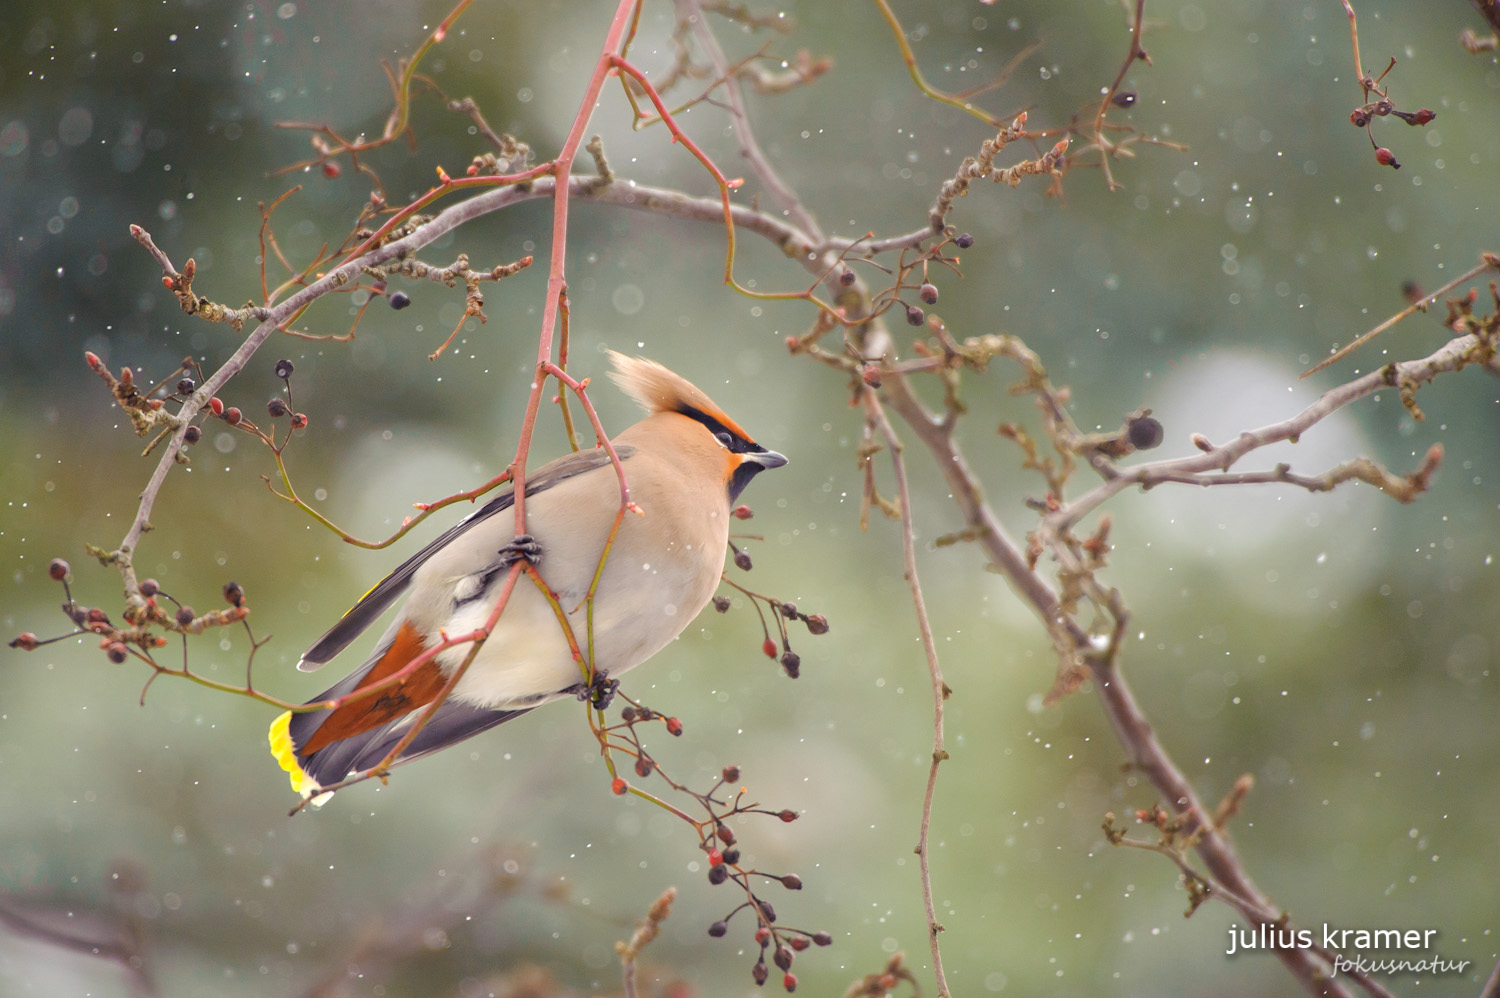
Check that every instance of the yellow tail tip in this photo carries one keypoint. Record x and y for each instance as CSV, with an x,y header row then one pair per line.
x,y
280,738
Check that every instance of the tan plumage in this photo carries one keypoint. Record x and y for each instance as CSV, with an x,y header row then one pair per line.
x,y
685,464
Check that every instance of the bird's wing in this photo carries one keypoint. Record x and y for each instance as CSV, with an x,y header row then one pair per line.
x,y
453,722
378,600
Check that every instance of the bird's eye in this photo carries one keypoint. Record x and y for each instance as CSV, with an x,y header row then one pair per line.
x,y
725,440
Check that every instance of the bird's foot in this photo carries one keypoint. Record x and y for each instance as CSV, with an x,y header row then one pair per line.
x,y
600,692
523,548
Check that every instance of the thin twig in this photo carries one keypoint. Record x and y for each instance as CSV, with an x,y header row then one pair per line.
x,y
876,414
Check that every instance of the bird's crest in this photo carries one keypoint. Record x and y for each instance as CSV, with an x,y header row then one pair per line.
x,y
657,389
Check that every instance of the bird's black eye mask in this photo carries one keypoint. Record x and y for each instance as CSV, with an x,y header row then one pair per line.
x,y
732,440
735,443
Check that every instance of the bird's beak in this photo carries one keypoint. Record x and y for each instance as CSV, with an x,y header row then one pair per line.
x,y
766,459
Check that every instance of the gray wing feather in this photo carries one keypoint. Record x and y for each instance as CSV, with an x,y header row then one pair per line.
x,y
378,600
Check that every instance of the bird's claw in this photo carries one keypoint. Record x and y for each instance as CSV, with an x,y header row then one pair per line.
x,y
523,548
600,693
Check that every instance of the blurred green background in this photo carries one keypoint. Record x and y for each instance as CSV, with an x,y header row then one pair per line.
x,y
1341,648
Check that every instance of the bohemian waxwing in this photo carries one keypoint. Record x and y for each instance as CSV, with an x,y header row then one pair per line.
x,y
685,464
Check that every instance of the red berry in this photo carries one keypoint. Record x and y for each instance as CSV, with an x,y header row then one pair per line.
x,y
674,726
769,647
232,416
58,570
299,420
724,832
1423,116
762,935
715,857
789,981
799,943
787,815
92,359
331,169
216,405
618,786
25,641
743,512
1385,157
1359,119
642,766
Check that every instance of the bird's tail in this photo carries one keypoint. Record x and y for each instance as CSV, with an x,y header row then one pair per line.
x,y
330,763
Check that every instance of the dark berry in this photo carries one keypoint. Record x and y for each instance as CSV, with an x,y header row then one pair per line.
x,y
299,420
627,714
787,814
642,766
185,615
186,386
1421,117
116,652
1125,98
284,369
731,856
718,874
398,300
789,611
822,938
1145,433
791,663
963,240
915,315
234,594
928,293
768,911
721,604
847,278
742,561
232,416
731,774
58,569
97,616
276,407
150,587
791,882
1359,118
760,973
783,958
817,623
192,435
724,832
718,929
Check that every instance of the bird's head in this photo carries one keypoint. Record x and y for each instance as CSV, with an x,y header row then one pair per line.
x,y
658,390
